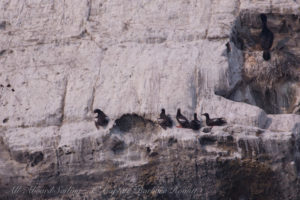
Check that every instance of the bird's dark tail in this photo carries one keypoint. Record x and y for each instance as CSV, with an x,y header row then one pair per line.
x,y
266,55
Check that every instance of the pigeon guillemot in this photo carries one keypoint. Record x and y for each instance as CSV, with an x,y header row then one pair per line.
x,y
214,121
101,119
195,123
182,120
164,120
266,38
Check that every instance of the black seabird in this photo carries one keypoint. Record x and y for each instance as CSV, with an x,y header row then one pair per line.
x,y
228,48
195,123
266,38
101,119
182,120
164,120
214,121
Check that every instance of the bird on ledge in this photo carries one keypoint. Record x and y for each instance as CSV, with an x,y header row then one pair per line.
x,y
195,123
164,120
182,120
214,121
266,38
101,119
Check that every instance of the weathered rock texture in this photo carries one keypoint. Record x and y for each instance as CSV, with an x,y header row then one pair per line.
x,y
59,60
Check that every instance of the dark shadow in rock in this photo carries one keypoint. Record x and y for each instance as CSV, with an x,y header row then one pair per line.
x,y
153,154
259,131
252,151
5,120
3,25
226,140
117,146
155,40
25,157
296,147
296,109
35,158
2,52
20,156
227,143
268,123
133,122
206,129
172,141
207,140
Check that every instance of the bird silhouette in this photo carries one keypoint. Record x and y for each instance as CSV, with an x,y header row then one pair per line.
x,y
182,120
195,123
164,120
101,119
266,38
214,121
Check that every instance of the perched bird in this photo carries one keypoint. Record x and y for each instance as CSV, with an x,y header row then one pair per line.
x,y
148,149
164,120
266,38
228,48
214,121
182,120
195,123
101,119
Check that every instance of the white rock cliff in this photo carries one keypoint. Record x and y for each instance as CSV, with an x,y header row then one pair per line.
x,y
60,60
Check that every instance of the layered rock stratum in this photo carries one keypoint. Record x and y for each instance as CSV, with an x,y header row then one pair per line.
x,y
60,60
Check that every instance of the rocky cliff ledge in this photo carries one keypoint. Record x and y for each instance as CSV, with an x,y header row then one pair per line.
x,y
60,60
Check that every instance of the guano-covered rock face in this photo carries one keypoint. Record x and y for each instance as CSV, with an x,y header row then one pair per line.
x,y
60,60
